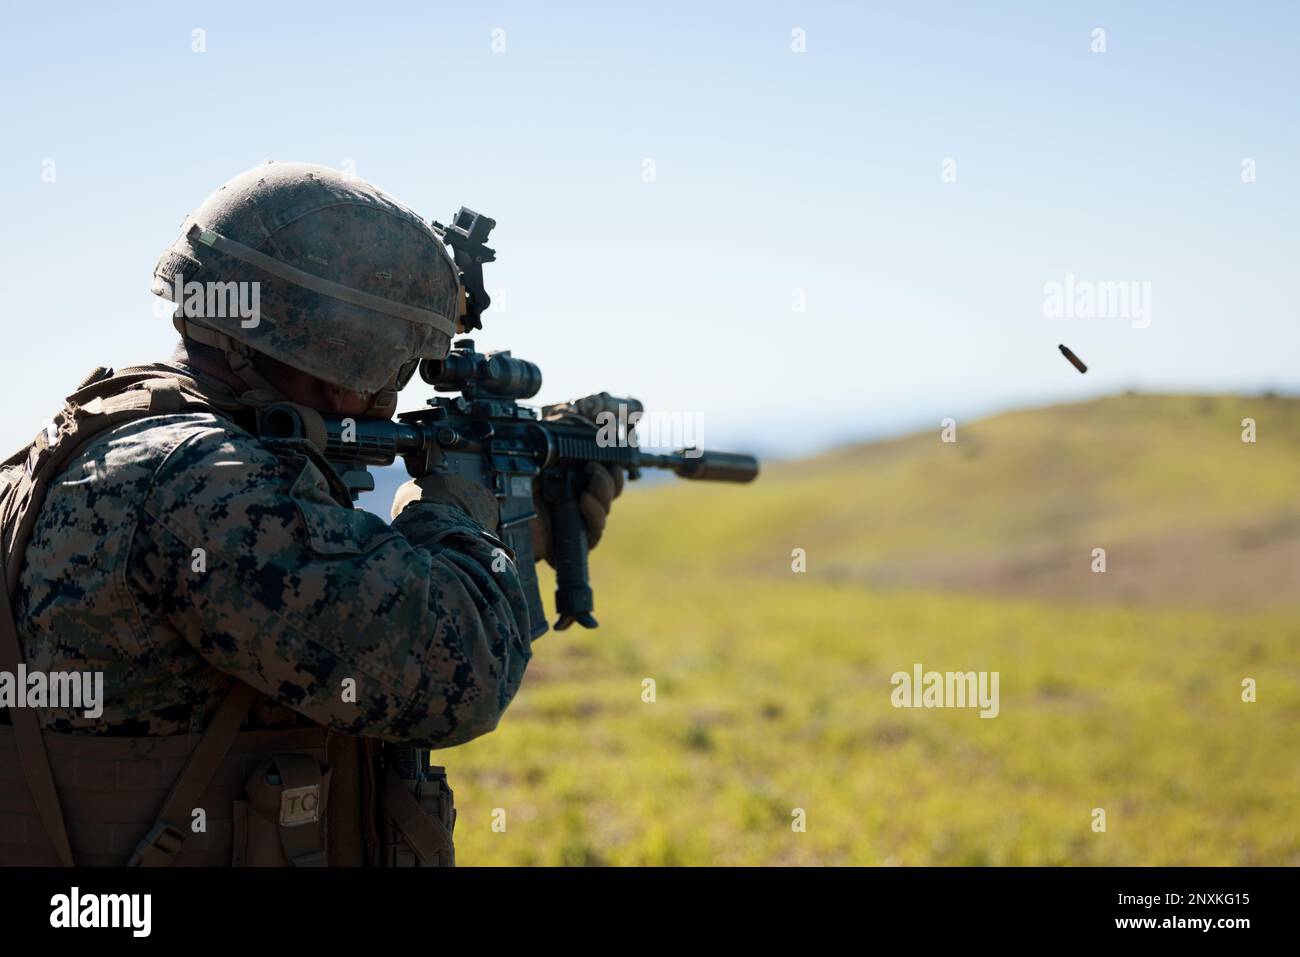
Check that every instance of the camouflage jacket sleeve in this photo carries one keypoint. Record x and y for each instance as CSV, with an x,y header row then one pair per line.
x,y
415,632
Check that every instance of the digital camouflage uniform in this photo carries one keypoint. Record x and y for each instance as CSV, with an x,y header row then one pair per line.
x,y
296,593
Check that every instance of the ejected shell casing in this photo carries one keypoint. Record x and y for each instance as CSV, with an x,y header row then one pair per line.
x,y
1074,360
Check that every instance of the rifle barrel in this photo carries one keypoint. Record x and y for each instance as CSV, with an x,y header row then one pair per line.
x,y
704,465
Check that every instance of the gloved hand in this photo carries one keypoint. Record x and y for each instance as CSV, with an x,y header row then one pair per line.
x,y
478,502
603,486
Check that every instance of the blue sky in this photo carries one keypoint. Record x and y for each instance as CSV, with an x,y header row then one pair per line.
x,y
775,171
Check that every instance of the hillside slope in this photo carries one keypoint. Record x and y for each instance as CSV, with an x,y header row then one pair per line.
x,y
1186,511
772,691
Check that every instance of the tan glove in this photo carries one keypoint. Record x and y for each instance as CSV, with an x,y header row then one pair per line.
x,y
603,486
474,499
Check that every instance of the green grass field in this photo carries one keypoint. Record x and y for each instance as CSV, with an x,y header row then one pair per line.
x,y
1119,691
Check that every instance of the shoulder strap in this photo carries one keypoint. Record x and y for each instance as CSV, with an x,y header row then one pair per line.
x,y
96,407
27,739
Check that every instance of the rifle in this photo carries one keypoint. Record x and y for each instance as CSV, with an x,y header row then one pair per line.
x,y
484,434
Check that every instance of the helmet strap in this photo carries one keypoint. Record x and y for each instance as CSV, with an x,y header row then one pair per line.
x,y
239,357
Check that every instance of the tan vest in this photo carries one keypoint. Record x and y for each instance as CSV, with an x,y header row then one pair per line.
x,y
300,797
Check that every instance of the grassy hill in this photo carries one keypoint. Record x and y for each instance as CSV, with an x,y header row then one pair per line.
x,y
1186,511
1119,691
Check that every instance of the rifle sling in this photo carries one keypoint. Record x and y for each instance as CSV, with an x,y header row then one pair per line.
x,y
166,837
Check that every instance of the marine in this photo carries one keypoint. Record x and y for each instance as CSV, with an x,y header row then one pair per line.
x,y
272,657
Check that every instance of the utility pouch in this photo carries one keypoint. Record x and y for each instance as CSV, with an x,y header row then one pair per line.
x,y
282,824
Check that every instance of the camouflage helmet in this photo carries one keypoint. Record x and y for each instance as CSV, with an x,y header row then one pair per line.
x,y
344,283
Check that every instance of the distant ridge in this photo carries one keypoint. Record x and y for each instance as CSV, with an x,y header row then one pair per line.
x,y
1186,511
